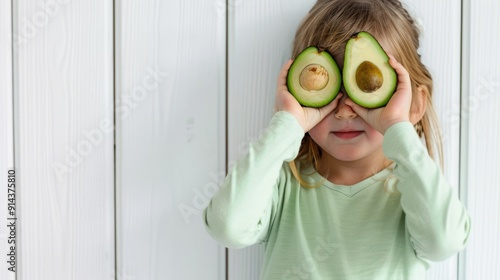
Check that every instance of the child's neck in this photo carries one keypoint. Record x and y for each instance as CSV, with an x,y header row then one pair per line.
x,y
351,172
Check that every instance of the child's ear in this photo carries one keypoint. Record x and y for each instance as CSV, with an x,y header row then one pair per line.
x,y
418,104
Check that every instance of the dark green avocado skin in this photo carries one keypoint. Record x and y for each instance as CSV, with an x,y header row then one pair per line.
x,y
361,47
320,98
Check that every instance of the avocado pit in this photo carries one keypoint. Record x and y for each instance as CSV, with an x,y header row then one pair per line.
x,y
369,77
314,77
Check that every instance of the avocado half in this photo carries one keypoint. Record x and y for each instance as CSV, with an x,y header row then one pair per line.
x,y
368,78
314,78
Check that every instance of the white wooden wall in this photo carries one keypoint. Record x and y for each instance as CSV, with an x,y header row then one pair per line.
x,y
480,134
170,141
63,88
6,133
95,202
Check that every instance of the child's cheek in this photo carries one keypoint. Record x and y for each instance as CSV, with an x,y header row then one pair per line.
x,y
373,134
321,129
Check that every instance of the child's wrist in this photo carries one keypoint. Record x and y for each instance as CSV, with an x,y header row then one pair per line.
x,y
392,123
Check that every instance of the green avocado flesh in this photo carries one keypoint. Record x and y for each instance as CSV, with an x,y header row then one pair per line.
x,y
314,78
368,78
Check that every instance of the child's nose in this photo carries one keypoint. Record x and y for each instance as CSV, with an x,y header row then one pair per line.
x,y
344,111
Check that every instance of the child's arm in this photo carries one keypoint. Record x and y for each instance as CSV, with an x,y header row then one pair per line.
x,y
435,218
240,213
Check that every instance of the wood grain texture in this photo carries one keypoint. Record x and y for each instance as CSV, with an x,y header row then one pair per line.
x,y
64,138
480,114
170,136
440,51
6,133
260,38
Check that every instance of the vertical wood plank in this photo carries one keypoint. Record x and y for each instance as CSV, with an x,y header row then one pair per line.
x,y
6,138
440,50
260,42
170,113
63,82
481,131
260,38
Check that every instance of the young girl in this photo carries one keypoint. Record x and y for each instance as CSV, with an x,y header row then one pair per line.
x,y
345,192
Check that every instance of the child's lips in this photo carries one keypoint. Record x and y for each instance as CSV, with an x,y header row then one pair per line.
x,y
347,134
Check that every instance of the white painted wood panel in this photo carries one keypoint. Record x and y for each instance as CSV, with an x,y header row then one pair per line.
x,y
170,113
260,38
6,139
260,35
481,134
63,83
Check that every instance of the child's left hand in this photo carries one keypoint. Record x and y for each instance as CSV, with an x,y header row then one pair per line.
x,y
398,108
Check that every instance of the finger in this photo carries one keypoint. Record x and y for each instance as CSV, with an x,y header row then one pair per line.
x,y
403,95
360,111
404,82
284,73
316,115
325,110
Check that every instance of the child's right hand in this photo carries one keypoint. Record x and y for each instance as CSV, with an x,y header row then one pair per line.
x,y
306,116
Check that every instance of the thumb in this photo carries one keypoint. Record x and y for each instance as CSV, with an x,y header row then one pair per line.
x,y
325,110
315,115
360,111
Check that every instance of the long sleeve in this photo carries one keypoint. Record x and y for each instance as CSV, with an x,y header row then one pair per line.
x,y
435,218
239,214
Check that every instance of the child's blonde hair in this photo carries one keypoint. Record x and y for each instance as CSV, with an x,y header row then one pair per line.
x,y
330,24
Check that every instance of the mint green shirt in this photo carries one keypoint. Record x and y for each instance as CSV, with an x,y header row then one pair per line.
x,y
363,231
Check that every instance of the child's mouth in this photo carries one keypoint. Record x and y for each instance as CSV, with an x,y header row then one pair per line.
x,y
347,134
